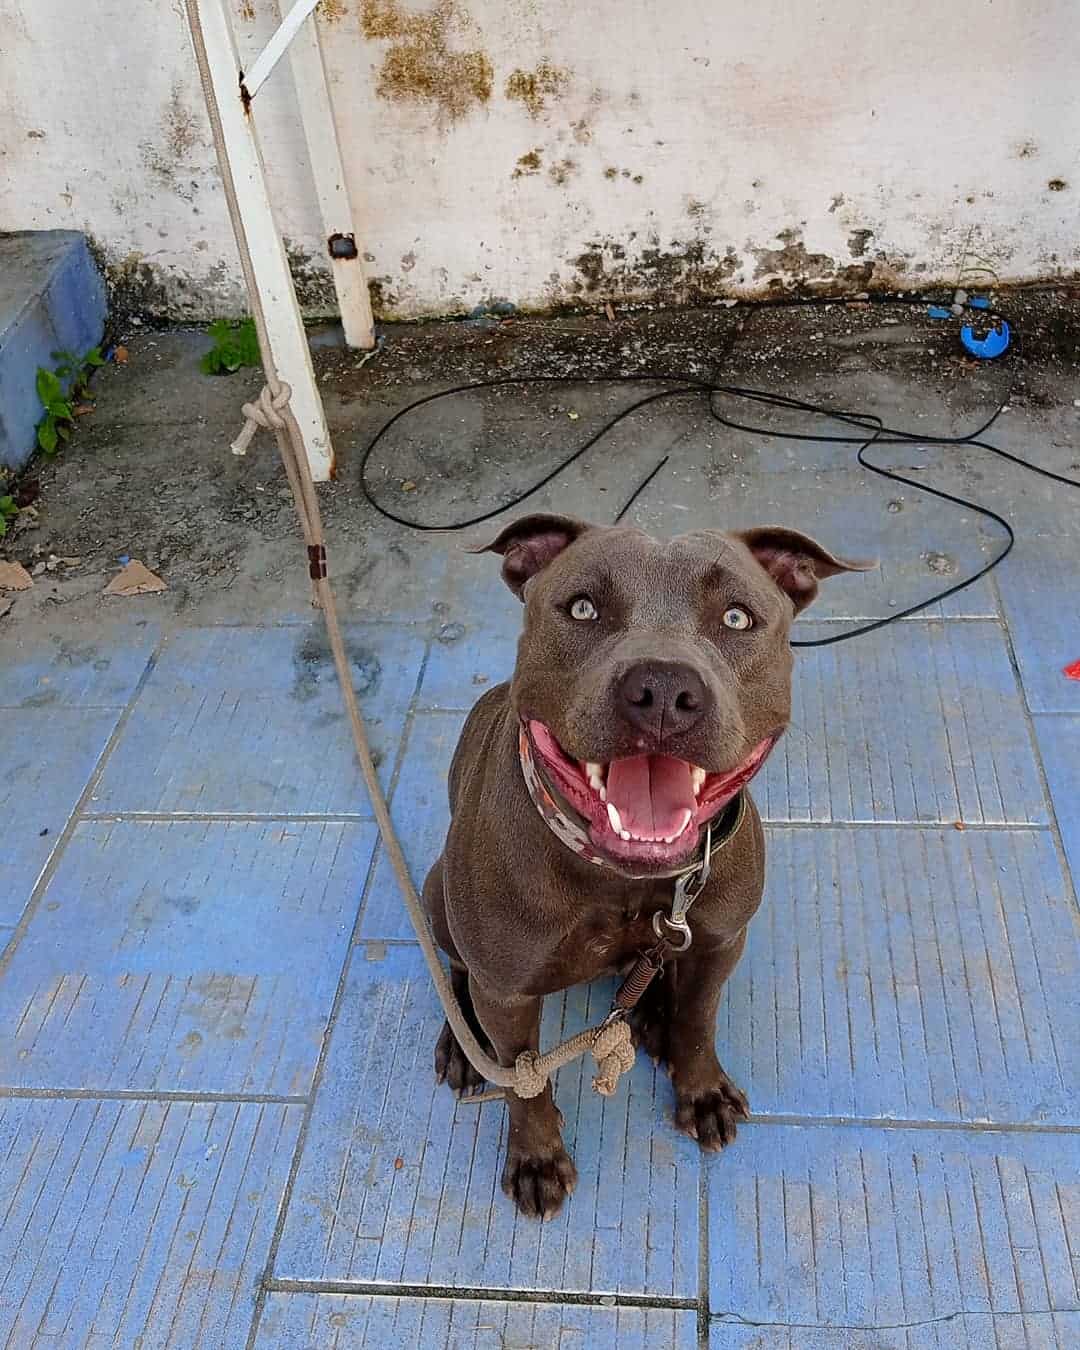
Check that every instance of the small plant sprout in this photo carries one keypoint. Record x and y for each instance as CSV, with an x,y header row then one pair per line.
x,y
236,344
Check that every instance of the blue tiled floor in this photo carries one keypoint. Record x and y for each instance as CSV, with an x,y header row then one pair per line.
x,y
840,1226
250,720
43,771
137,1222
1039,602
218,1120
1059,740
184,955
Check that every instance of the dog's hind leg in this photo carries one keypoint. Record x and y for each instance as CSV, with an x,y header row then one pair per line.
x,y
451,1065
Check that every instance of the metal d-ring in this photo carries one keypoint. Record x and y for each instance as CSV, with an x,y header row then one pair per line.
x,y
676,926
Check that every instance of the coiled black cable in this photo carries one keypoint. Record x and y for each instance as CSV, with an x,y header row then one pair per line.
x,y
683,385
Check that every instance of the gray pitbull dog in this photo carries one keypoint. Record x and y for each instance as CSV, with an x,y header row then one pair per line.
x,y
652,680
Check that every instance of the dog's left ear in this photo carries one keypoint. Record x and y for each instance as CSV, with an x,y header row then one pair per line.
x,y
530,544
796,562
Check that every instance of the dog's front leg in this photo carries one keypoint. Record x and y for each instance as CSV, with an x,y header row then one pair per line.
x,y
708,1105
539,1174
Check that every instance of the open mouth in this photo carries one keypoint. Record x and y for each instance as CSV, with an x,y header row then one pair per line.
x,y
645,809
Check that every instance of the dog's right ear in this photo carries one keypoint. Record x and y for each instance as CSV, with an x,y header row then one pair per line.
x,y
529,544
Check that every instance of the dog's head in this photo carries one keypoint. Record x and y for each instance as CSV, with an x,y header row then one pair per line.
x,y
653,677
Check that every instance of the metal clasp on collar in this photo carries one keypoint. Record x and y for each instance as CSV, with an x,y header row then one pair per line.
x,y
687,889
662,922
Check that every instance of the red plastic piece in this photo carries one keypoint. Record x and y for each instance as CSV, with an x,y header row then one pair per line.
x,y
1073,672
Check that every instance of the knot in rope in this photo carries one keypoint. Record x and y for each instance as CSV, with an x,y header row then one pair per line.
x,y
265,412
529,1078
611,1046
613,1051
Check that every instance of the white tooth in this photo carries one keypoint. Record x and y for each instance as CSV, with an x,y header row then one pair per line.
x,y
697,780
689,815
616,820
603,794
624,834
595,775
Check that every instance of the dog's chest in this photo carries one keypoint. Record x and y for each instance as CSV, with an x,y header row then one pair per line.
x,y
607,939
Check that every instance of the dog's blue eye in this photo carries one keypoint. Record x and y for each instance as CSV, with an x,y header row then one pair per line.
x,y
738,619
582,608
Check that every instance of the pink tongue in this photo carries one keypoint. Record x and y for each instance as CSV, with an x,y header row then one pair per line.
x,y
652,794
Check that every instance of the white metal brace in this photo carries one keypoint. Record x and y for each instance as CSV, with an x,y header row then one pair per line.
x,y
285,327
274,50
301,38
324,153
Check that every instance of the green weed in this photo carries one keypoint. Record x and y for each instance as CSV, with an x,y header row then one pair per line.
x,y
8,510
236,344
59,390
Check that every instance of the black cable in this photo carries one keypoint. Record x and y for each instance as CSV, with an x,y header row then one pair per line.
x,y
882,434
559,468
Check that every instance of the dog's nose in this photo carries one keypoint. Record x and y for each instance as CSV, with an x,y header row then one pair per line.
x,y
663,698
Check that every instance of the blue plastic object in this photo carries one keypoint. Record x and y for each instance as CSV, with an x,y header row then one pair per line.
x,y
978,302
51,296
938,312
995,342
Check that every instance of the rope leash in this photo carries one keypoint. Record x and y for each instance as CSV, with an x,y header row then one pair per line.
x,y
610,1041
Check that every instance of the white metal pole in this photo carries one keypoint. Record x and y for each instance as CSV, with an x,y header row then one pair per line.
x,y
285,327
320,131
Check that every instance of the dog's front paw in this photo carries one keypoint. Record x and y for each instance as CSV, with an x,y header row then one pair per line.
x,y
452,1067
540,1181
710,1114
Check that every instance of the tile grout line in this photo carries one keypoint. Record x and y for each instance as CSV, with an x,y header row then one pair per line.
x,y
580,1298
784,1119
412,625
75,818
1036,751
266,1282
924,617
156,1095
941,1319
226,817
27,705
927,826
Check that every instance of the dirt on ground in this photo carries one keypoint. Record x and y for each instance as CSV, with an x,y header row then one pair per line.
x,y
149,473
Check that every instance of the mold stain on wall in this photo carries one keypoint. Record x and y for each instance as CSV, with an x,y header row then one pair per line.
x,y
692,270
792,259
689,272
857,242
421,66
534,87
528,164
169,157
313,280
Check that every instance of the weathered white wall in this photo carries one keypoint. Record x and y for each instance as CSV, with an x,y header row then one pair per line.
x,y
553,151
